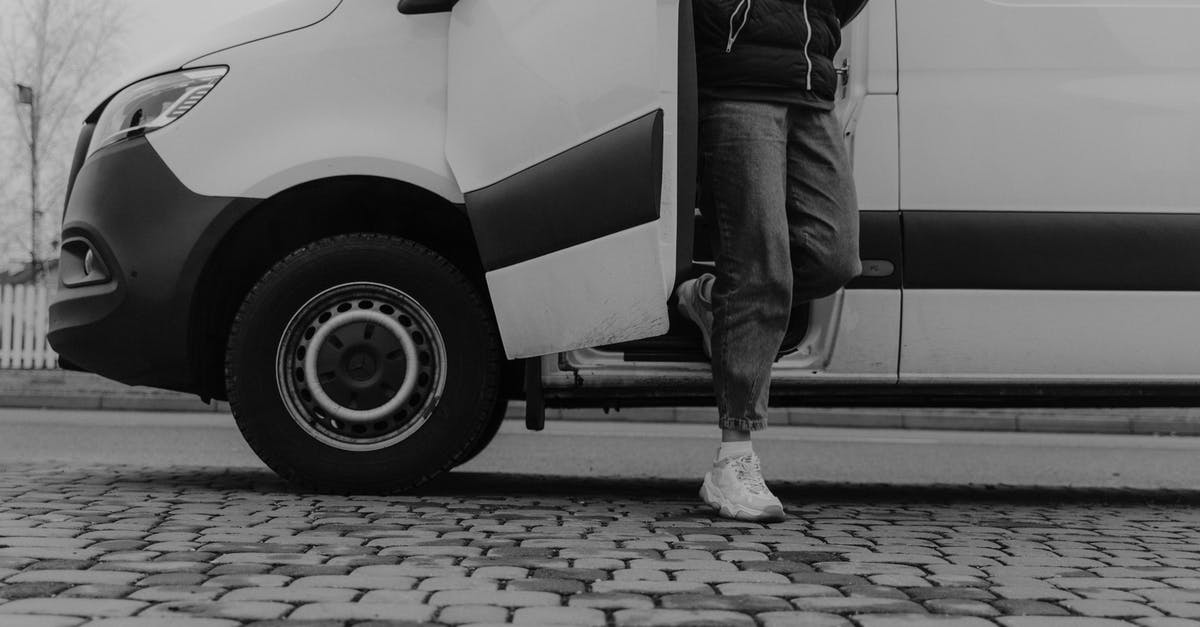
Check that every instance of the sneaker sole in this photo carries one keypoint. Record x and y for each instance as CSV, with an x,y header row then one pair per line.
x,y
687,295
713,496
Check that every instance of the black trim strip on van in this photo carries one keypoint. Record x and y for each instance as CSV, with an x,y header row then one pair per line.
x,y
881,251
1051,251
420,7
603,186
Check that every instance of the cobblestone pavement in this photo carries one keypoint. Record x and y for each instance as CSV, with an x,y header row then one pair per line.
x,y
119,545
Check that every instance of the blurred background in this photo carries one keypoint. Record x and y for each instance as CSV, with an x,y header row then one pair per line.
x,y
57,57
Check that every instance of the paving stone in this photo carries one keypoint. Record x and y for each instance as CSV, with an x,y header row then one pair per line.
x,y
721,576
779,590
876,592
925,594
395,597
1021,607
1119,583
1060,621
309,570
1111,609
1151,594
895,558
72,607
500,572
30,620
290,594
581,574
802,619
472,614
361,582
651,587
433,584
401,570
639,574
248,581
230,570
177,593
611,601
918,620
1182,610
162,621
1108,594
963,607
241,610
364,611
556,586
98,591
861,605
749,603
559,616
1038,593
13,592
827,579
690,618
504,598
76,577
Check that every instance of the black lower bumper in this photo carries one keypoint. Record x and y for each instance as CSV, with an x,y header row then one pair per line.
x,y
153,237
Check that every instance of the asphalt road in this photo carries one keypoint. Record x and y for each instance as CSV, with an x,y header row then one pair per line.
x,y
663,451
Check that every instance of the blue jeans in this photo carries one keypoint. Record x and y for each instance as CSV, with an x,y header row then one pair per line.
x,y
777,186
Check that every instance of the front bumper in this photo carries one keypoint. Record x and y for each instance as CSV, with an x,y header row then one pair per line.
x,y
153,237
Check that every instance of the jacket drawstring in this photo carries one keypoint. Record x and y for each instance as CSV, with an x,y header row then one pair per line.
x,y
733,34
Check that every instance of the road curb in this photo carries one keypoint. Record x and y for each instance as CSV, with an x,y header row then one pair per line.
x,y
58,389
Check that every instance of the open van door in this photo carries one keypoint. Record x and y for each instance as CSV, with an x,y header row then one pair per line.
x,y
562,132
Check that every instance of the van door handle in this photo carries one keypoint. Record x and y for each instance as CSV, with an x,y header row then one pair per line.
x,y
418,7
843,73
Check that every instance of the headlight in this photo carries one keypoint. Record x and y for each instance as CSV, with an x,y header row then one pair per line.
x,y
152,104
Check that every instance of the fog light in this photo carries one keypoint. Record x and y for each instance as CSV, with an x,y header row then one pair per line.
x,y
89,263
80,264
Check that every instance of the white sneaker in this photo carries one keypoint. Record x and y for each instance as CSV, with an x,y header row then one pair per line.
x,y
693,307
735,488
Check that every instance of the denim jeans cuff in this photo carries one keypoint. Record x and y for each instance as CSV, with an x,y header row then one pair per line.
x,y
743,424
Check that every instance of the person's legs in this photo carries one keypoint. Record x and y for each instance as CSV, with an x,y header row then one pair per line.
x,y
744,168
822,207
743,149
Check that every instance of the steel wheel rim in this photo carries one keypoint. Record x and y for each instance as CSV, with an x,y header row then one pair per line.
x,y
361,366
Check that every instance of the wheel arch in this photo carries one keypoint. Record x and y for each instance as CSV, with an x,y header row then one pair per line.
x,y
303,214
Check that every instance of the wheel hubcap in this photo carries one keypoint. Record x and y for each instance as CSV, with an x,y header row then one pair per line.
x,y
361,366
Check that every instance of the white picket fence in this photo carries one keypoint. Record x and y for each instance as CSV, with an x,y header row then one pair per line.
x,y
24,320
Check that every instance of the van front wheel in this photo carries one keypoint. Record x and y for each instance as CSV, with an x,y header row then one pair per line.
x,y
363,363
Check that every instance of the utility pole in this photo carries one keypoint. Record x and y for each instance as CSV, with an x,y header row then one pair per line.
x,y
26,96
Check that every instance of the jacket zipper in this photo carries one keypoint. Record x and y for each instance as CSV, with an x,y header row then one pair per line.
x,y
807,42
733,34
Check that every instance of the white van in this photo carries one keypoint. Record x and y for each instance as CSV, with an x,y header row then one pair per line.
x,y
370,226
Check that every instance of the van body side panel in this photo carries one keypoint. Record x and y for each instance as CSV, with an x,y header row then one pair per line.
x,y
1049,153
1039,105
1050,336
361,93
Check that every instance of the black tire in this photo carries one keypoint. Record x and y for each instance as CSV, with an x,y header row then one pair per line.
x,y
489,434
374,290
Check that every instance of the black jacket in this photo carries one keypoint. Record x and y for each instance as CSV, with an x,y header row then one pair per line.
x,y
748,46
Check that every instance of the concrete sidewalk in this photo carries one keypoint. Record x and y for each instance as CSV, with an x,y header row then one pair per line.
x,y
58,389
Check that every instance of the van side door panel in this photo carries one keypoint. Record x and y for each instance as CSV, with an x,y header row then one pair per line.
x,y
562,134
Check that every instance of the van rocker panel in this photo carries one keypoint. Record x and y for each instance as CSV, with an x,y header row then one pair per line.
x,y
604,186
154,235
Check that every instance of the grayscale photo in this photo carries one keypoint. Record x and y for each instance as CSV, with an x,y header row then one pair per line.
x,y
613,313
